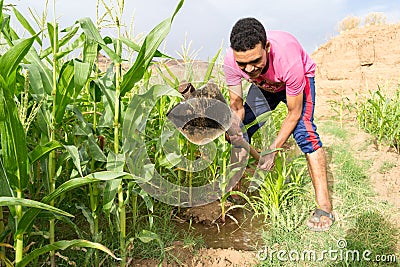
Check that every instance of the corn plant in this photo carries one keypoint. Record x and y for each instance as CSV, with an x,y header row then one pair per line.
x,y
379,115
340,106
278,186
14,173
57,84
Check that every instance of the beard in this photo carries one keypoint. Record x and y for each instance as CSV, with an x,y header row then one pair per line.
x,y
255,73
259,71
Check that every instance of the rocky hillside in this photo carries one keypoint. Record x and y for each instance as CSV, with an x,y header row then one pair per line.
x,y
356,61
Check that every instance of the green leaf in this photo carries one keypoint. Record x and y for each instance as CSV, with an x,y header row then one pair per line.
x,y
115,162
43,150
11,59
53,35
64,244
147,52
40,76
210,68
5,186
81,74
73,152
140,107
14,201
93,33
136,47
28,218
107,87
65,90
13,140
26,24
70,33
147,236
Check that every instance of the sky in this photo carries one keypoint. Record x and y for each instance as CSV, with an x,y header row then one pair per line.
x,y
206,24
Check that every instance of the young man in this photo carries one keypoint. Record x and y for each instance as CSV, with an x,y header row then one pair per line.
x,y
279,70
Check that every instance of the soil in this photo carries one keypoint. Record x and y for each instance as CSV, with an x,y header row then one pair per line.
x,y
204,258
384,168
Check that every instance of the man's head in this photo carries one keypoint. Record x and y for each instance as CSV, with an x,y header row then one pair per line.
x,y
250,47
246,34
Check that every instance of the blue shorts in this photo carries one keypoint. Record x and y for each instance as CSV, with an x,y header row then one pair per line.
x,y
259,101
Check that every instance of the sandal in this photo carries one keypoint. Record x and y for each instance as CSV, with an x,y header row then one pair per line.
x,y
316,218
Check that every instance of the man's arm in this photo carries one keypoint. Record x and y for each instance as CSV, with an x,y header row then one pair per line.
x,y
235,134
295,107
236,100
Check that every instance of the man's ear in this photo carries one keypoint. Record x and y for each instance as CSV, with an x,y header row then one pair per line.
x,y
267,46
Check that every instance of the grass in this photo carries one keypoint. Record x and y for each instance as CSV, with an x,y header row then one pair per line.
x,y
362,223
387,166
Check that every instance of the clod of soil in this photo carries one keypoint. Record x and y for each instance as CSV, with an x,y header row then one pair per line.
x,y
207,214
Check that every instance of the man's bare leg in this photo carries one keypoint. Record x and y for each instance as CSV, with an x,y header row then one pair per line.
x,y
318,171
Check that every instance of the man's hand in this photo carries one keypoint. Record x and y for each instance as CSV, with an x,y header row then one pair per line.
x,y
267,161
234,134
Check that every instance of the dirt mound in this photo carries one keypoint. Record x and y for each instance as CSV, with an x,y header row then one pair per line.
x,y
205,257
356,61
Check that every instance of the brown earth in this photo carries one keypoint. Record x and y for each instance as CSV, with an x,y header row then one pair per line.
x,y
356,61
203,258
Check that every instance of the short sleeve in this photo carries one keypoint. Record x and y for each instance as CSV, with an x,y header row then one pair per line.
x,y
293,74
233,75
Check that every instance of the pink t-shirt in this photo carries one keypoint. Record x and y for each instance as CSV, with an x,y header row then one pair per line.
x,y
289,65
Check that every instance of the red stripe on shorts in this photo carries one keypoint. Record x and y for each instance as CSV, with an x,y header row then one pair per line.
x,y
307,116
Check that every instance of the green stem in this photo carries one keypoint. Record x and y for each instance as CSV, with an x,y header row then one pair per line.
x,y
135,212
19,243
121,205
94,193
2,228
224,183
52,155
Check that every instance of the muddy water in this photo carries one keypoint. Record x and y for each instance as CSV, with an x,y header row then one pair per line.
x,y
245,234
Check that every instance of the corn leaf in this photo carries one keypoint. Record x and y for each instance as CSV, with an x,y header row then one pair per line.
x,y
70,33
147,52
136,47
115,162
140,107
26,24
65,89
52,30
40,76
64,244
13,139
81,74
29,216
5,186
73,152
11,59
14,201
93,33
43,150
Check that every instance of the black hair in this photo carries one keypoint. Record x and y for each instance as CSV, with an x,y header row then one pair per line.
x,y
246,34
